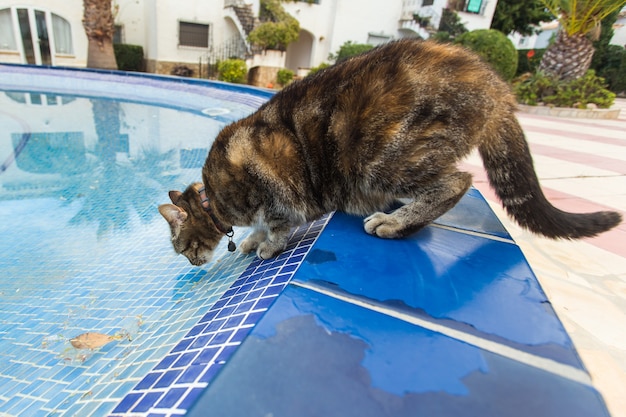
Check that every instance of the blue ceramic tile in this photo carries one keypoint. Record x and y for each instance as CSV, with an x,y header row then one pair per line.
x,y
191,374
147,401
479,284
315,355
474,214
170,399
168,378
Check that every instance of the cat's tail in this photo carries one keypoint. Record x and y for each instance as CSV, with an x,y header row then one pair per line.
x,y
511,173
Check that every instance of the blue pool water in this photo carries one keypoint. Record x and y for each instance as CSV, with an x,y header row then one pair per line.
x,y
342,323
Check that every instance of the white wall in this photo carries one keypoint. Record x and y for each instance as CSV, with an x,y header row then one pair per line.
x,y
72,11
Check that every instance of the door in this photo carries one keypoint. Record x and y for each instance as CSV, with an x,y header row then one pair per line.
x,y
34,36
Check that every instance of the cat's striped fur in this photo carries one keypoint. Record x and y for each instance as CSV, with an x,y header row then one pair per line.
x,y
391,123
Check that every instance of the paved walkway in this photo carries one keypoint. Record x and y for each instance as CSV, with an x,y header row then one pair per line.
x,y
582,167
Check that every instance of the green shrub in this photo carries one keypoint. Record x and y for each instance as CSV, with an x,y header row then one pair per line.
x,y
349,49
278,28
318,68
232,71
614,69
528,60
494,47
578,93
450,27
284,76
128,57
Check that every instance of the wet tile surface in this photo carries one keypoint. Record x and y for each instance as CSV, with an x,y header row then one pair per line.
x,y
480,284
315,355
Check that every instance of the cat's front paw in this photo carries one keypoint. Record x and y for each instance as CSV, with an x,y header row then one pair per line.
x,y
269,250
383,225
251,243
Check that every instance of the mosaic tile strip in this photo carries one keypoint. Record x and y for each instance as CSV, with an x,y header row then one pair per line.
x,y
173,385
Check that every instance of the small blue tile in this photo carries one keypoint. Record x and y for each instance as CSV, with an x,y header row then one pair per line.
x,y
236,299
190,398
262,283
218,304
210,373
222,337
206,356
253,318
241,334
196,330
149,380
245,288
201,341
289,268
273,290
208,316
147,402
226,353
264,303
233,321
244,307
127,403
185,359
191,374
168,378
215,325
167,361
253,295
226,311
170,399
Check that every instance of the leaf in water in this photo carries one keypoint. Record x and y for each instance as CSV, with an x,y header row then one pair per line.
x,y
91,340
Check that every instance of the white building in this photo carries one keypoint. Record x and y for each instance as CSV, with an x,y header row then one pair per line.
x,y
42,32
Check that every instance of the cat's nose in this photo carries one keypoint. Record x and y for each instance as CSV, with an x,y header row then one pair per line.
x,y
197,261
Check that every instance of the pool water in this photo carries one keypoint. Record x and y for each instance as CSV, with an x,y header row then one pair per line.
x,y
450,320
83,247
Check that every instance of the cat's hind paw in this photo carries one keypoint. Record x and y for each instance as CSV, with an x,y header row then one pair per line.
x,y
383,225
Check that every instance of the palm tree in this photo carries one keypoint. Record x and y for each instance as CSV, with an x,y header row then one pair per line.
x,y
99,27
569,57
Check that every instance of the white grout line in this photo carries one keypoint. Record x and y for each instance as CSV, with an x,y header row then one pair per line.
x,y
545,364
474,233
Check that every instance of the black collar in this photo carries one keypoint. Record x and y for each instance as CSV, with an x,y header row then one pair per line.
x,y
204,201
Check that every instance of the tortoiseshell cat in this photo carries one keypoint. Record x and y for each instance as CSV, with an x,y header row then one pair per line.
x,y
391,123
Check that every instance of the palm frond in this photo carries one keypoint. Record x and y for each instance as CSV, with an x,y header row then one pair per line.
x,y
582,17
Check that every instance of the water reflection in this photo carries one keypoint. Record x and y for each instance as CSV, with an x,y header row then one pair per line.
x,y
113,158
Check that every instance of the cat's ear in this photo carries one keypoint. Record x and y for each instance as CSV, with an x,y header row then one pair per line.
x,y
175,196
174,215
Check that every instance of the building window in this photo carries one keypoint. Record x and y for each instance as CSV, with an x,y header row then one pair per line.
x,y
62,35
7,39
428,2
37,36
118,34
193,34
469,6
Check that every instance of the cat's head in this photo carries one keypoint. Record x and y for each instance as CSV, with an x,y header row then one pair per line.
x,y
193,232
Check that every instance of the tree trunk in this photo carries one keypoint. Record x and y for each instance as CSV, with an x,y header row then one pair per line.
x,y
100,54
568,58
99,27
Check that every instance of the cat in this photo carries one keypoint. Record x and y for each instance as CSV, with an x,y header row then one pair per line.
x,y
391,123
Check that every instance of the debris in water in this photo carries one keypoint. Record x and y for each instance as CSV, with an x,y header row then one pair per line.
x,y
93,340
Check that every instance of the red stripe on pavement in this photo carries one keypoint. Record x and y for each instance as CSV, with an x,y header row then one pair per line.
x,y
575,122
575,135
596,161
612,241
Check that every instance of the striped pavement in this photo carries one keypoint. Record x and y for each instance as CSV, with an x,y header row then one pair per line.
x,y
581,164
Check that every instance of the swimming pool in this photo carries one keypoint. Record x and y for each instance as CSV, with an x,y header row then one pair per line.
x,y
340,324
